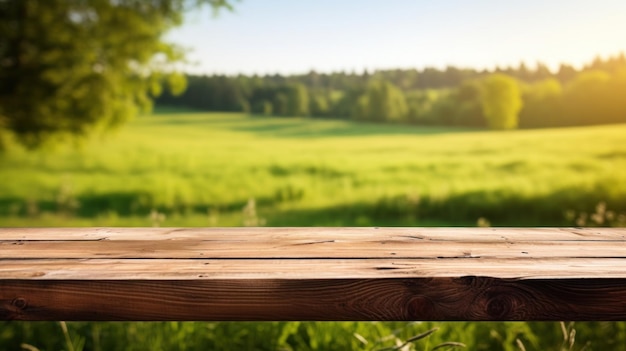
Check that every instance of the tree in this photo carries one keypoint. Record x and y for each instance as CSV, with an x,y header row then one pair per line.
x,y
69,67
280,105
382,101
586,98
262,107
421,104
297,100
542,71
501,100
319,105
543,106
467,101
566,73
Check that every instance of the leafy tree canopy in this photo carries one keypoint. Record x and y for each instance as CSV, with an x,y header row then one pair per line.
x,y
298,104
382,101
501,101
69,67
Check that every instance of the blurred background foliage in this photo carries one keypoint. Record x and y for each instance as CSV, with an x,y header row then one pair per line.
x,y
68,67
536,97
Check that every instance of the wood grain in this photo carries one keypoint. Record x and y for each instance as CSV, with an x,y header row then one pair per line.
x,y
306,269
313,274
317,233
451,299
311,248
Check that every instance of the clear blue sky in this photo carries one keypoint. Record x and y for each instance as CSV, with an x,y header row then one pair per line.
x,y
295,36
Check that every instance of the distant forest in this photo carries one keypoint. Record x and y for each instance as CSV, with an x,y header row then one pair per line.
x,y
502,98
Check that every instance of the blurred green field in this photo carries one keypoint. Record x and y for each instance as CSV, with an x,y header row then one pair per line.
x,y
202,169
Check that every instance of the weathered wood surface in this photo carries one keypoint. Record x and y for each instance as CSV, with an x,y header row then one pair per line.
x,y
313,274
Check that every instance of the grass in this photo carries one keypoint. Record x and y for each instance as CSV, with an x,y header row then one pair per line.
x,y
201,169
340,336
197,169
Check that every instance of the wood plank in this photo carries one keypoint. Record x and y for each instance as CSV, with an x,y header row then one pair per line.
x,y
308,269
313,274
468,298
319,233
340,247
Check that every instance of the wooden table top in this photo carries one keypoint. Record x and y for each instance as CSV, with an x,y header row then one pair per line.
x,y
313,273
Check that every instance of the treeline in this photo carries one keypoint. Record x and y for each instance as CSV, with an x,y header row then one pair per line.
x,y
502,98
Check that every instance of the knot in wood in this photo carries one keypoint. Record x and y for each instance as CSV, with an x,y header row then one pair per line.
x,y
12,309
504,305
19,303
420,307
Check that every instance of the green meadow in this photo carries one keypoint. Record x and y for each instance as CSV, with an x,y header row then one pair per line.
x,y
218,169
178,168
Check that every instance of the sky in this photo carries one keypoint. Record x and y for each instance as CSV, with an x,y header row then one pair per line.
x,y
297,36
